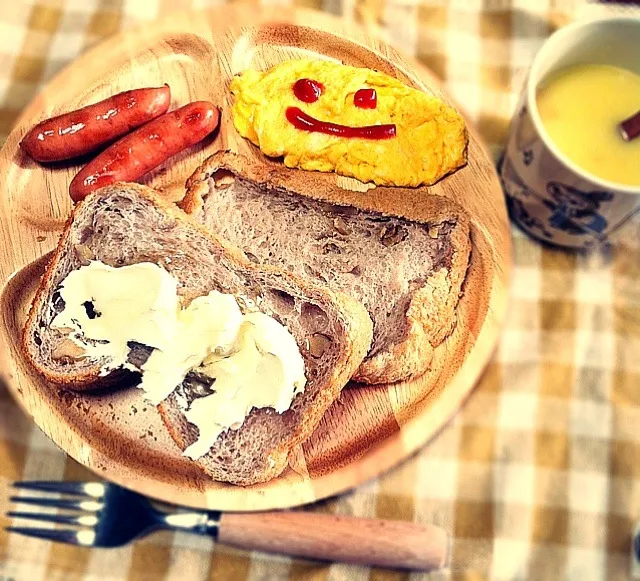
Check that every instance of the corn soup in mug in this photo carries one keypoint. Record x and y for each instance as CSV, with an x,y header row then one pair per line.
x,y
581,108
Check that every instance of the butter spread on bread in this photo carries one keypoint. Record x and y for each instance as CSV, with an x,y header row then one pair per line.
x,y
261,368
253,359
129,224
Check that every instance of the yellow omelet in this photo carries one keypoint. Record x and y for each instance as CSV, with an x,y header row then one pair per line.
x,y
430,137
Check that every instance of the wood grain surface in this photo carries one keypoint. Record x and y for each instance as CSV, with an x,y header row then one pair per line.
x,y
381,543
369,429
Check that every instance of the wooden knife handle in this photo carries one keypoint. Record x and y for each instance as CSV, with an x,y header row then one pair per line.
x,y
382,543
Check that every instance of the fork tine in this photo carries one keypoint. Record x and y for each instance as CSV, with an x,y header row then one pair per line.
x,y
90,489
58,536
88,520
86,505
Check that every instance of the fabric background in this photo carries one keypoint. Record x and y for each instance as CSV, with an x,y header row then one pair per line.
x,y
538,476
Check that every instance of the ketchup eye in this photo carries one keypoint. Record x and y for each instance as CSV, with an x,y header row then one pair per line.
x,y
307,90
365,99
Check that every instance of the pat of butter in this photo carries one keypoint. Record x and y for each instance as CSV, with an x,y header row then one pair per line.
x,y
209,324
265,355
134,303
253,359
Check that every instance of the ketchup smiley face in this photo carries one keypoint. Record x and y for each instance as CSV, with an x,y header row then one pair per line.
x,y
309,91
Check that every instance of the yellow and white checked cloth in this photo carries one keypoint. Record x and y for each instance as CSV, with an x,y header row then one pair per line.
x,y
538,477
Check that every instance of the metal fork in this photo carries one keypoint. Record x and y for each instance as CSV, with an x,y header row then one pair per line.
x,y
105,515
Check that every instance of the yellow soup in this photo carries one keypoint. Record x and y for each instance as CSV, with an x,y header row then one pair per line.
x,y
581,108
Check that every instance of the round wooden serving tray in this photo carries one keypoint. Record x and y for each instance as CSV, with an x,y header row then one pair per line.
x,y
370,428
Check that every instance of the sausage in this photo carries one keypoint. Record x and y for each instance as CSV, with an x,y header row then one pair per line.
x,y
146,148
82,131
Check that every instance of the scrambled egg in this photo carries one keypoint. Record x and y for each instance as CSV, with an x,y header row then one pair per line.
x,y
430,139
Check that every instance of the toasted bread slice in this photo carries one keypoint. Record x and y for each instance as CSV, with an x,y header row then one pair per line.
x,y
399,252
127,224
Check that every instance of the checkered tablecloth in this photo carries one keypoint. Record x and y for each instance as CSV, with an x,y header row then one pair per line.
x,y
538,476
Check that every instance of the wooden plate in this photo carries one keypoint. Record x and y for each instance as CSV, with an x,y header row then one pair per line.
x,y
369,429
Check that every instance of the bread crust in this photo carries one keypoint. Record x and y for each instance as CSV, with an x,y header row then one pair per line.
x,y
353,318
431,312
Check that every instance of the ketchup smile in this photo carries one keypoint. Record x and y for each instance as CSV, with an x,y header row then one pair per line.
x,y
300,120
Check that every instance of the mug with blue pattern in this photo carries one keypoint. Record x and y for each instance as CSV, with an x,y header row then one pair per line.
x,y
548,196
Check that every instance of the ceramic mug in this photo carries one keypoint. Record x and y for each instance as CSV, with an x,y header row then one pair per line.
x,y
549,196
